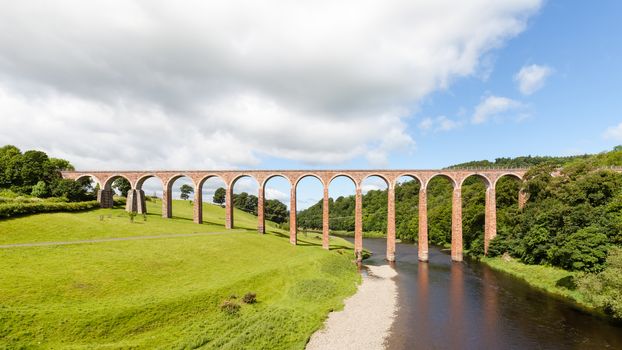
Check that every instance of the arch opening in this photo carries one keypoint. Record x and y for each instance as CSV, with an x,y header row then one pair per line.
x,y
341,204
310,208
152,191
474,190
276,203
180,189
407,189
213,197
90,186
439,210
374,190
244,201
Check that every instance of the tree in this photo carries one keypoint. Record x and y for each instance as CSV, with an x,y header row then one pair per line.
x,y
276,211
219,196
122,185
185,191
70,189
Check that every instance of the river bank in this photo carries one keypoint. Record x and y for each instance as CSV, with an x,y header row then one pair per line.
x,y
555,281
367,316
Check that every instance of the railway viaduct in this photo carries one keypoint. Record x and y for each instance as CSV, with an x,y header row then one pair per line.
x,y
136,197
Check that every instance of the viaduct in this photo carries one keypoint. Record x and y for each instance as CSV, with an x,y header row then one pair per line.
x,y
136,197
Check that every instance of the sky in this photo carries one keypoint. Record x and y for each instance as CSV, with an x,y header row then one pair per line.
x,y
308,84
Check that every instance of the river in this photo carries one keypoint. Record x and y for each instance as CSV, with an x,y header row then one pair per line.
x,y
445,305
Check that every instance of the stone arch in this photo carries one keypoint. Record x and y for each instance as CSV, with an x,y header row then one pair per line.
x,y
171,180
95,178
142,178
306,175
204,178
443,175
487,181
239,176
108,182
411,175
383,177
138,198
229,205
354,181
272,176
479,219
508,174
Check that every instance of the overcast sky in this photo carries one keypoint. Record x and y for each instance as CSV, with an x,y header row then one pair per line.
x,y
308,84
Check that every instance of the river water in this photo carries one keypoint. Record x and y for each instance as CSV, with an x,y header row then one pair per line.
x,y
446,305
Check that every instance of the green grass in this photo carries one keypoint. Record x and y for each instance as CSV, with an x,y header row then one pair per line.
x,y
547,278
165,293
366,234
116,223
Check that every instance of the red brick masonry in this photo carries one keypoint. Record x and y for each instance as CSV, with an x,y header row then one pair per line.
x,y
136,197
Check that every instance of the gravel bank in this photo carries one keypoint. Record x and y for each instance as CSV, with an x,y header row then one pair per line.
x,y
365,321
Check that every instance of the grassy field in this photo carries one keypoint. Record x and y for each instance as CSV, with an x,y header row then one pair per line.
x,y
164,293
106,223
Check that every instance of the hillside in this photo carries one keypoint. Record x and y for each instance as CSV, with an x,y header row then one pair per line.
x,y
168,291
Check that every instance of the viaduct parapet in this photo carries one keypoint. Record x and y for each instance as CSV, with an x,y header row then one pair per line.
x,y
136,197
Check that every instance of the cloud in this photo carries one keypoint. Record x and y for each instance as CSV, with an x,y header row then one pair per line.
x,y
532,78
614,133
496,107
441,123
273,193
155,84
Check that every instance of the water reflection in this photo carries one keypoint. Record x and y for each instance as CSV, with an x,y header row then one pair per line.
x,y
456,305
445,305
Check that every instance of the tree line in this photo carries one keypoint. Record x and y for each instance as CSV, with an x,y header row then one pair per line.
x,y
34,173
570,220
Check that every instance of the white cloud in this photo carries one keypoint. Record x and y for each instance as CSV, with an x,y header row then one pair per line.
x,y
614,132
157,84
532,78
441,123
273,193
495,107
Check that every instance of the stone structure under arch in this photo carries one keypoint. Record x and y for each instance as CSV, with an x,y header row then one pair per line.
x,y
198,177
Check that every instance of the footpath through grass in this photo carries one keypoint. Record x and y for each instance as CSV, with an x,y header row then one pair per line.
x,y
164,293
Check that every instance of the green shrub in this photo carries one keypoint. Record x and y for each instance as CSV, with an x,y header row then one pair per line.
x,y
249,298
23,208
39,190
604,289
230,307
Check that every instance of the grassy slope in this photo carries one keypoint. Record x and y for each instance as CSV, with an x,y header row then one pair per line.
x,y
543,277
164,293
87,225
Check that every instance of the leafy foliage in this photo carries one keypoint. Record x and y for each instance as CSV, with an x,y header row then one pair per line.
x,y
185,190
17,208
219,196
122,185
34,173
604,290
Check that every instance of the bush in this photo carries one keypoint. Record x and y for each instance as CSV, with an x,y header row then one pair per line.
x,y
604,290
250,298
39,190
584,250
230,307
18,208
